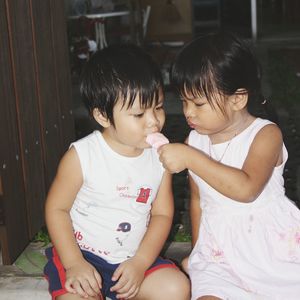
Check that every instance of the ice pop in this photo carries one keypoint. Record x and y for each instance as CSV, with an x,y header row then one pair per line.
x,y
156,139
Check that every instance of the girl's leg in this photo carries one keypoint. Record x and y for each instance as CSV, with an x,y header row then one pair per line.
x,y
184,264
165,284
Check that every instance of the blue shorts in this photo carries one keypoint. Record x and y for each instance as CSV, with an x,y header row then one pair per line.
x,y
56,276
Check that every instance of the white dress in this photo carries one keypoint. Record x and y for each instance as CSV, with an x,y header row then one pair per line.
x,y
245,250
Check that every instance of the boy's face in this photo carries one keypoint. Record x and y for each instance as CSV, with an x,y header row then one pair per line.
x,y
132,125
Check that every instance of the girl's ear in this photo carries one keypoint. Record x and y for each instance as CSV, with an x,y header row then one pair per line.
x,y
101,118
240,99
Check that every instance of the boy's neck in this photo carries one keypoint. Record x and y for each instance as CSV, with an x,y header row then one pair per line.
x,y
120,148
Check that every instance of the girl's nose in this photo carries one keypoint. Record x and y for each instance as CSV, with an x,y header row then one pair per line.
x,y
188,110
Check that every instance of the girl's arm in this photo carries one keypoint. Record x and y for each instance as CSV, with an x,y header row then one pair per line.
x,y
243,185
81,277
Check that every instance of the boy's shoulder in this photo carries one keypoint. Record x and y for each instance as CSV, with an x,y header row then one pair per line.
x,y
86,140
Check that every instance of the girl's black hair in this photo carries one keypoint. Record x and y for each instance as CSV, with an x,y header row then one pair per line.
x,y
217,64
120,72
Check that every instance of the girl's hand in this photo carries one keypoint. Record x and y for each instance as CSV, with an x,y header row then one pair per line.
x,y
129,275
83,279
173,157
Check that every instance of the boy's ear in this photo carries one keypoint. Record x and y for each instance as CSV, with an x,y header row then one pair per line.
x,y
101,118
240,99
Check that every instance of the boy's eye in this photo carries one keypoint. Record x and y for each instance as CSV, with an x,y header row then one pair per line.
x,y
138,115
199,104
159,107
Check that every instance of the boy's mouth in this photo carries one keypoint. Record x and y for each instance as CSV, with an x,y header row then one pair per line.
x,y
192,125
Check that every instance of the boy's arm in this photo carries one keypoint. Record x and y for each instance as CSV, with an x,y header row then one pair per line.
x,y
61,196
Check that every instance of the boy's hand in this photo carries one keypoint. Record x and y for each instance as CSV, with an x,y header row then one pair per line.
x,y
83,279
173,157
129,275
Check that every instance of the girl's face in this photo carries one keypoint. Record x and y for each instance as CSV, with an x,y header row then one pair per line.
x,y
132,125
205,118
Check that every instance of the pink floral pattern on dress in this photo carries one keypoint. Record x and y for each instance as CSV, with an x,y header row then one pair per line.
x,y
290,244
297,237
217,254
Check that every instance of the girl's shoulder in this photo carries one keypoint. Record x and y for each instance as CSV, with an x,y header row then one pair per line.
x,y
259,127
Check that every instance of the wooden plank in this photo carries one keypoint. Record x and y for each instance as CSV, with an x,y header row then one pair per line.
x,y
13,229
47,89
63,71
27,108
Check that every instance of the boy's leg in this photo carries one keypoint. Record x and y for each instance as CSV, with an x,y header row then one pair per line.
x,y
165,284
56,276
76,297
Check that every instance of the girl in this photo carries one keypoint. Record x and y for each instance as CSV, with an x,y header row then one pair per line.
x,y
246,232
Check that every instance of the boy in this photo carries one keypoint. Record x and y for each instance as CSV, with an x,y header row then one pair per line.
x,y
110,207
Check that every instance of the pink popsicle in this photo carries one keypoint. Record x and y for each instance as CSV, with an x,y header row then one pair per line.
x,y
156,139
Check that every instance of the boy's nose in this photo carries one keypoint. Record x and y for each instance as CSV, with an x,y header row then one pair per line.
x,y
153,120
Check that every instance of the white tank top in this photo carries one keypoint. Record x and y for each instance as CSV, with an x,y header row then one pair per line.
x,y
111,211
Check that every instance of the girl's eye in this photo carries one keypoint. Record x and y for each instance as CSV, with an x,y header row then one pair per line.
x,y
199,104
159,107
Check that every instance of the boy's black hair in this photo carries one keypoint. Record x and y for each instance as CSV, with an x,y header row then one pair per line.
x,y
217,63
120,72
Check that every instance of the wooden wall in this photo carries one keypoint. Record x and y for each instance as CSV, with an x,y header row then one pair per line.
x,y
36,121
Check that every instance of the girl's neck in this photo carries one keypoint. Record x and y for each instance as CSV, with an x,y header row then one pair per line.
x,y
237,125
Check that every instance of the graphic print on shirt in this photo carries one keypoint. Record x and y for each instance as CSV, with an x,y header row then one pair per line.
x,y
142,197
79,238
84,210
144,194
123,227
